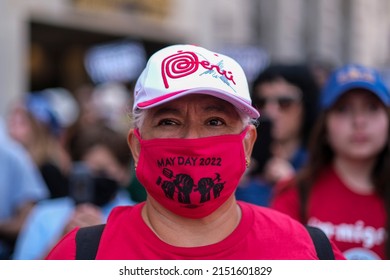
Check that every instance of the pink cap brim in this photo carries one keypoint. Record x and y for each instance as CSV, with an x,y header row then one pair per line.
x,y
240,104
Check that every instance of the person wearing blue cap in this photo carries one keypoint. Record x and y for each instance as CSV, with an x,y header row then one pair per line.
x,y
33,122
21,187
344,187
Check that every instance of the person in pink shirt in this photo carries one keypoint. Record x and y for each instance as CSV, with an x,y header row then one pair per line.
x,y
192,137
344,188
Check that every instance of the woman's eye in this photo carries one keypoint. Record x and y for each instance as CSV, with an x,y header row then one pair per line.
x,y
215,122
374,106
167,122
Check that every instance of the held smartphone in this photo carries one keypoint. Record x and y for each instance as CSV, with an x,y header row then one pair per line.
x,y
81,185
262,148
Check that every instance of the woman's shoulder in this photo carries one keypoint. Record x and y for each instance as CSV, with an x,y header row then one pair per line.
x,y
273,225
65,249
271,217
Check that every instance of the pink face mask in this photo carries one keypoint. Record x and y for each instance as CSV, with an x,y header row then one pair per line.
x,y
191,177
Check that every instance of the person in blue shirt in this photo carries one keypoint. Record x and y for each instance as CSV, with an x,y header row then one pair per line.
x,y
21,186
33,122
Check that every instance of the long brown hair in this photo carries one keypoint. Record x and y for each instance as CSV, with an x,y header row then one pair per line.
x,y
321,155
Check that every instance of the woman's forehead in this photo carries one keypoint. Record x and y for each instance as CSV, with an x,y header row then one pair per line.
x,y
201,101
358,93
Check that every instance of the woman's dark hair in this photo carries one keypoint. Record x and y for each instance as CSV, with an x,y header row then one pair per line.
x,y
321,156
301,76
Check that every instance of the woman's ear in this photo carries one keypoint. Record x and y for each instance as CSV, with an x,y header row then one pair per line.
x,y
134,146
249,141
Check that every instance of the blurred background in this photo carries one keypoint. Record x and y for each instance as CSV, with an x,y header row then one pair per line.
x,y
72,43
68,68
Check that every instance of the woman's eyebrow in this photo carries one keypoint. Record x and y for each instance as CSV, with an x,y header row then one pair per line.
x,y
208,108
220,108
166,110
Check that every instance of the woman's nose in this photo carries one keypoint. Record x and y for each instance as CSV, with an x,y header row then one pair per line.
x,y
191,132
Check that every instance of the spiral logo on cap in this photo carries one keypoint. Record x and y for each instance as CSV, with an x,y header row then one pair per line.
x,y
179,65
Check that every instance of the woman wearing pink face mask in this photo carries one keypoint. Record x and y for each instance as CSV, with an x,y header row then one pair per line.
x,y
191,142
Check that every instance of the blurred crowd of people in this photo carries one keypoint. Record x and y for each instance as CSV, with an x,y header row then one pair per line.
x,y
321,156
66,163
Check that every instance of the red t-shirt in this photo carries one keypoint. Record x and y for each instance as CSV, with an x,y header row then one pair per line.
x,y
354,222
261,234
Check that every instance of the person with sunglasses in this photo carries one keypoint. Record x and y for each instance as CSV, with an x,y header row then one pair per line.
x,y
287,97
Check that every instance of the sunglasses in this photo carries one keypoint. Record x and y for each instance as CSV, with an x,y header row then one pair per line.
x,y
284,102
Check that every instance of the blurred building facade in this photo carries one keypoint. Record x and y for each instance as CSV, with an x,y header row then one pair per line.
x,y
43,42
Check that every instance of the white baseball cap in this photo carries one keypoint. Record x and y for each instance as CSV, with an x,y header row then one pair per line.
x,y
179,70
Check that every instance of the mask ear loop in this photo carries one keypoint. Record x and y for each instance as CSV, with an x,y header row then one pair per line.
x,y
243,135
137,134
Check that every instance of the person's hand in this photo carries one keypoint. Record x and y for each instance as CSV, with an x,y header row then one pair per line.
x,y
84,215
277,169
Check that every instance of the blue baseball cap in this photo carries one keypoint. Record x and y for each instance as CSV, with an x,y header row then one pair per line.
x,y
353,76
41,110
